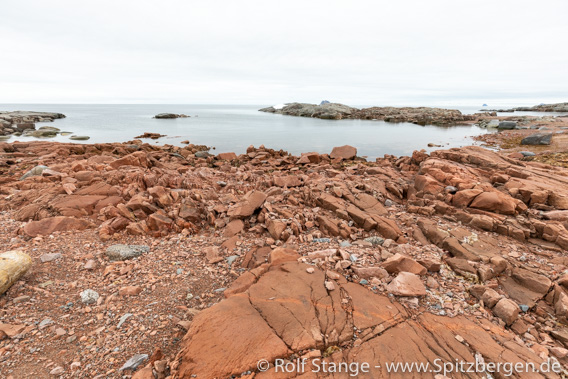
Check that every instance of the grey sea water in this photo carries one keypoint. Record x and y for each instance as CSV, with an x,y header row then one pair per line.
x,y
235,127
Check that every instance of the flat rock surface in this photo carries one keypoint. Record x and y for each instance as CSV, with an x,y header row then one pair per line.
x,y
295,320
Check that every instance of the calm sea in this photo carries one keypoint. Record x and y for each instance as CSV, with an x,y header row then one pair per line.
x,y
235,127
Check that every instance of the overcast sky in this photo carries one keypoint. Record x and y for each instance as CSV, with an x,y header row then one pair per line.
x,y
267,52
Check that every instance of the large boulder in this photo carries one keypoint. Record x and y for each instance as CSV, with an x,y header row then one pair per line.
x,y
36,171
537,139
13,265
507,125
495,201
343,152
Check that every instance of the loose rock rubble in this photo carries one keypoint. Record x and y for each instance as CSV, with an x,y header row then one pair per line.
x,y
459,253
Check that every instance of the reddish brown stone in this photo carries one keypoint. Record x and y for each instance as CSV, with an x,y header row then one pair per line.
x,y
227,156
275,228
306,158
157,221
343,152
371,272
400,263
281,255
137,159
406,284
130,291
234,227
251,202
465,197
328,226
495,201
287,181
507,310
54,224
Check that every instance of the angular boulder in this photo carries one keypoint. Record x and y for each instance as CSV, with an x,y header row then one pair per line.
x,y
400,263
248,205
406,284
343,152
507,310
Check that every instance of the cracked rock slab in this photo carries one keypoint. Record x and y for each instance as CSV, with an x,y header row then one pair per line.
x,y
288,312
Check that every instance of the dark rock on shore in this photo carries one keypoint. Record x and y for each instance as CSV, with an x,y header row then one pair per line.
x,y
170,115
537,139
335,111
151,135
507,125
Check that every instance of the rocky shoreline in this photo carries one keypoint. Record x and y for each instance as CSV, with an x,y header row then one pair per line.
x,y
334,111
146,259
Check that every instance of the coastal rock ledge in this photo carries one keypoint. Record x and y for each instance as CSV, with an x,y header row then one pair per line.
x,y
335,111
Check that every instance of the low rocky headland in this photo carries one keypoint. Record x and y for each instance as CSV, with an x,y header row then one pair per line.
x,y
558,107
165,261
334,111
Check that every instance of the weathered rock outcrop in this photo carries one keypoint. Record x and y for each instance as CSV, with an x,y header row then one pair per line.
x,y
24,121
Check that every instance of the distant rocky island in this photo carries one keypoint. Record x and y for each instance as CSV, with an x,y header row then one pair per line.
x,y
558,107
336,111
170,115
